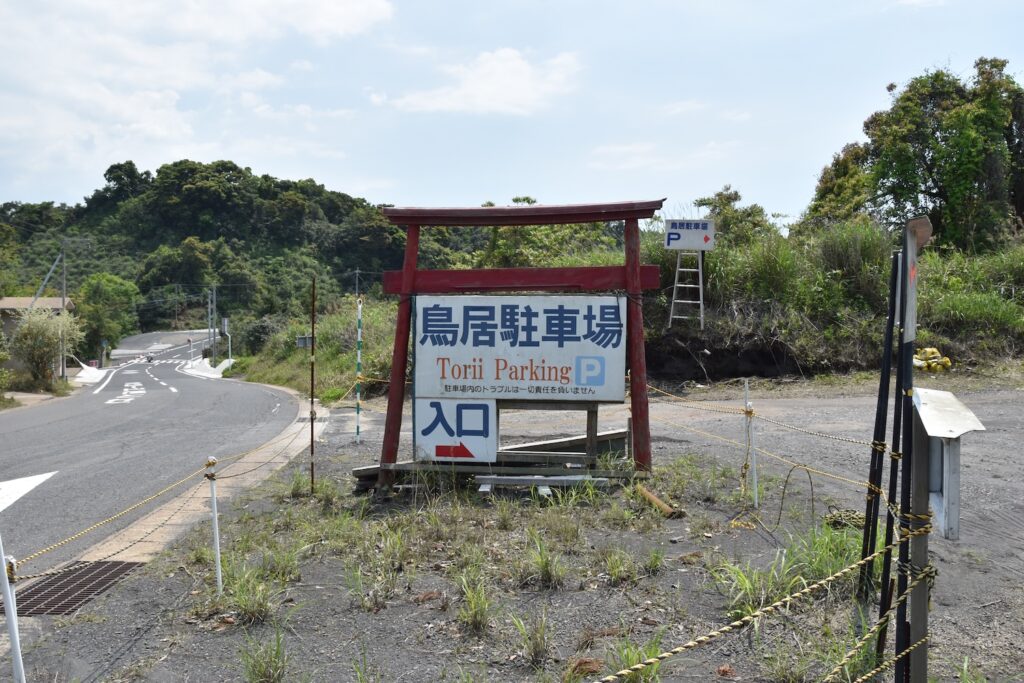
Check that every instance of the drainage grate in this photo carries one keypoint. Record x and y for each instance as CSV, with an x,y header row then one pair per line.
x,y
64,593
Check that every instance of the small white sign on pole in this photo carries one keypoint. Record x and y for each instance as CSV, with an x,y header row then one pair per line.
x,y
455,430
689,234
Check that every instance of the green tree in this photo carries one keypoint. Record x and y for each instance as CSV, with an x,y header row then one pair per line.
x,y
948,148
36,342
844,189
106,310
735,224
522,246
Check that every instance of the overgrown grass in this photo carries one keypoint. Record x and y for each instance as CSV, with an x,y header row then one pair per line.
x,y
265,661
534,637
281,363
475,612
821,552
624,653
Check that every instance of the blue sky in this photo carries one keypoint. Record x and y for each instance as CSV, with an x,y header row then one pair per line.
x,y
453,103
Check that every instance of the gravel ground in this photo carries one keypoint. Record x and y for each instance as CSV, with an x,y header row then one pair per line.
x,y
144,629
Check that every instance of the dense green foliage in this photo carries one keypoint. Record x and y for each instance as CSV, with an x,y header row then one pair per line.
x,y
947,148
105,306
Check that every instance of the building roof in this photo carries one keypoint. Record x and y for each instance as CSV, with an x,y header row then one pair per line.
x,y
21,303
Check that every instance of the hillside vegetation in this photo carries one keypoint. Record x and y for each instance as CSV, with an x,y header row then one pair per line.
x,y
146,249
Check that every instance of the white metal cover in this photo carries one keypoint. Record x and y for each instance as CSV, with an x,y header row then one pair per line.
x,y
943,415
455,430
689,234
550,348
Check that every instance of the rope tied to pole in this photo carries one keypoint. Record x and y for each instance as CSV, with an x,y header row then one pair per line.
x,y
764,611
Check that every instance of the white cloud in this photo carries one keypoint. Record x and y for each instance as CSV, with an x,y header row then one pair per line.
x,y
652,157
90,82
254,79
736,115
921,3
681,107
233,21
502,82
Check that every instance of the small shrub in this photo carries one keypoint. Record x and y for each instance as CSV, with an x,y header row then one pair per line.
x,y
625,653
252,597
475,612
505,515
265,662
534,638
547,567
300,484
619,566
655,562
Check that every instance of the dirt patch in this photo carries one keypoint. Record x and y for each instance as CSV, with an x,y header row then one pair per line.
x,y
392,591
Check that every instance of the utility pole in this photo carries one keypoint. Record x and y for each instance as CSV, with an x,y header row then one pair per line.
x,y
213,352
63,306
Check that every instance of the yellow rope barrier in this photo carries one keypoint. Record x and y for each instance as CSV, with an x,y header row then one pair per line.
x,y
110,519
888,663
764,611
882,621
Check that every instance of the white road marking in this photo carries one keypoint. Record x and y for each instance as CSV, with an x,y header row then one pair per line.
x,y
163,384
132,390
174,390
14,489
107,380
276,406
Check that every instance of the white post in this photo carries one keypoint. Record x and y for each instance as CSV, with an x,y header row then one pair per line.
x,y
211,474
749,424
359,362
229,344
11,612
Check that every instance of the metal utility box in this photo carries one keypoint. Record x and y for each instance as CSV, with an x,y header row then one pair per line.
x,y
940,419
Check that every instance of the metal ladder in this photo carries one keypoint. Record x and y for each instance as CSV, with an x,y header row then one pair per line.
x,y
688,287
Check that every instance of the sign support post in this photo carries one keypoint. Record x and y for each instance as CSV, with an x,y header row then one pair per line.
x,y
399,361
637,360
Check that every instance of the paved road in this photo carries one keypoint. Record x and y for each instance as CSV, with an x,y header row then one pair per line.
x,y
145,425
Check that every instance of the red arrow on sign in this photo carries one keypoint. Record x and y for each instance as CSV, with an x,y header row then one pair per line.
x,y
706,239
459,451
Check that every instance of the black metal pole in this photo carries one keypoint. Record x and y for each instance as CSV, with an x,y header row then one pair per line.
x,y
907,355
878,441
894,465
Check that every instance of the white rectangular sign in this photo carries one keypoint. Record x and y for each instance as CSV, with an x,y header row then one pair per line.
x,y
455,430
690,234
555,348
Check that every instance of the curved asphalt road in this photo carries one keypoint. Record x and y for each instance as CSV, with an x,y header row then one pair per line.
x,y
144,426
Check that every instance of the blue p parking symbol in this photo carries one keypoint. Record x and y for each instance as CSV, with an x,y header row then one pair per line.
x,y
589,371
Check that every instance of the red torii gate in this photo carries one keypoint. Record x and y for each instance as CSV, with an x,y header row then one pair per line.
x,y
631,277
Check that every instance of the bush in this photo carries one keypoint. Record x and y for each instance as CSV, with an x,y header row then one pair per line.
x,y
36,343
859,251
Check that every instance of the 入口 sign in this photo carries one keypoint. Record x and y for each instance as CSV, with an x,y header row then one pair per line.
x,y
455,430
555,348
691,235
